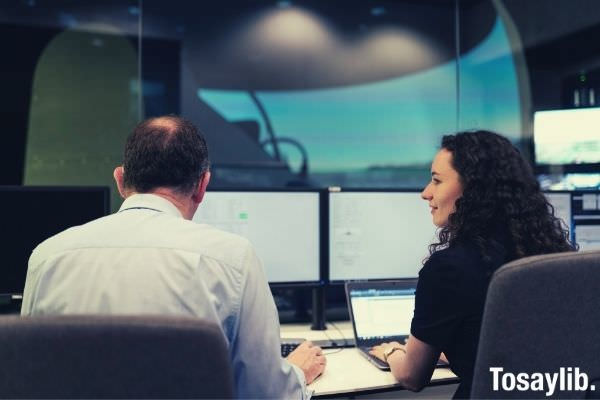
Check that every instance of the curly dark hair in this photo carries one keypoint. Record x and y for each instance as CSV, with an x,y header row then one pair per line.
x,y
165,151
501,207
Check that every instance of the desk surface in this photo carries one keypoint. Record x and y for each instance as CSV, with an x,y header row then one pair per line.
x,y
347,371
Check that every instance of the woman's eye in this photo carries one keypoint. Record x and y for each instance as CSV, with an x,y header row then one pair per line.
x,y
435,180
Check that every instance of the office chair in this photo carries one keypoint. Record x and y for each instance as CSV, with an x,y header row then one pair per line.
x,y
541,313
113,357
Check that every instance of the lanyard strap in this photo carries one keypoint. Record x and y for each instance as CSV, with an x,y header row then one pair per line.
x,y
140,208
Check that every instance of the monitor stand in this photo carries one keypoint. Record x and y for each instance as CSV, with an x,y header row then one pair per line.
x,y
318,309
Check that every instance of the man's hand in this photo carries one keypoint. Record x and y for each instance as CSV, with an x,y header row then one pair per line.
x,y
310,359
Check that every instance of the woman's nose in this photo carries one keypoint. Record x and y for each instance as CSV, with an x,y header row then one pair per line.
x,y
426,193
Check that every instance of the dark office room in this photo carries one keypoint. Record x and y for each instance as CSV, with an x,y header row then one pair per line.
x,y
360,199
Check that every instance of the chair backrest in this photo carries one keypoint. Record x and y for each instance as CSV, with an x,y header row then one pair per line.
x,y
113,357
542,314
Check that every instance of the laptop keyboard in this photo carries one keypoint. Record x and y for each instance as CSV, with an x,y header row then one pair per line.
x,y
379,363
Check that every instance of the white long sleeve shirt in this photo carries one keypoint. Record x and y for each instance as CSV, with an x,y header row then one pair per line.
x,y
147,259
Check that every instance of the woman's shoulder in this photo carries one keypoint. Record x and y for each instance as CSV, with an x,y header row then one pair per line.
x,y
455,254
454,260
458,269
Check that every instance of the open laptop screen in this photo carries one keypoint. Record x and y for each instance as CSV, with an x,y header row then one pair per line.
x,y
380,313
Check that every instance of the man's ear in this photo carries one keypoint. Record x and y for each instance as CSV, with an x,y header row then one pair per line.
x,y
202,184
118,175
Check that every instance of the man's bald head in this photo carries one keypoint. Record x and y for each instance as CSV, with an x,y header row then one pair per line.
x,y
167,122
165,151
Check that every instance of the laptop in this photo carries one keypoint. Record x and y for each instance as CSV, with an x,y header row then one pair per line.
x,y
380,311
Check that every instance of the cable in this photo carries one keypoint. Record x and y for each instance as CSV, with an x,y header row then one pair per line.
x,y
346,343
337,347
328,353
328,337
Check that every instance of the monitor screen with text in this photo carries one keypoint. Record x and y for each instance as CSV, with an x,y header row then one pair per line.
x,y
378,235
282,226
378,314
561,202
586,219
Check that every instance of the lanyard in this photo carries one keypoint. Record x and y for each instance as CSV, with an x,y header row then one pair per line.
x,y
140,208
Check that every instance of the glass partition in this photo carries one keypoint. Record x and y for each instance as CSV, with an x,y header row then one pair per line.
x,y
289,93
72,90
310,93
537,61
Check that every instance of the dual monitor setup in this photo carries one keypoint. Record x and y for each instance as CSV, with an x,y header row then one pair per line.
x,y
315,237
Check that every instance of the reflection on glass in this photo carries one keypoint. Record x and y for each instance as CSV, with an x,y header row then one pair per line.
x,y
392,125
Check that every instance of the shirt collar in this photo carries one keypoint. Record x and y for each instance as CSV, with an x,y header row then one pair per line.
x,y
151,201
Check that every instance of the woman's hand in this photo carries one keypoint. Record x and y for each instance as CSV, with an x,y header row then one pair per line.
x,y
380,349
414,368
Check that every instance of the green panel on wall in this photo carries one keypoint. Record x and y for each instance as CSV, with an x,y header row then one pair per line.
x,y
84,104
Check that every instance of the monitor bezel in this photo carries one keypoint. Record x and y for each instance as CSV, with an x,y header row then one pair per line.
x,y
582,168
58,188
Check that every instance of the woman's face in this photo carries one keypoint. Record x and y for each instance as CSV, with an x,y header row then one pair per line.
x,y
443,190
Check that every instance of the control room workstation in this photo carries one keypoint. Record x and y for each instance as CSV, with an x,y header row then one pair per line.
x,y
313,239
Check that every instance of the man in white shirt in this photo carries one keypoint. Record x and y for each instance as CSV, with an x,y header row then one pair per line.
x,y
150,258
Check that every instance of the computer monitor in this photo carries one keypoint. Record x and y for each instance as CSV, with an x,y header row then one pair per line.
x,y
561,201
378,234
586,219
283,226
33,214
567,136
580,210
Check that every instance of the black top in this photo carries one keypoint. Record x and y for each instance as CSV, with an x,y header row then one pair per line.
x,y
449,305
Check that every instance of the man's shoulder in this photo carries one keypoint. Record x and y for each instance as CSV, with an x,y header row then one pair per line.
x,y
211,241
169,234
60,242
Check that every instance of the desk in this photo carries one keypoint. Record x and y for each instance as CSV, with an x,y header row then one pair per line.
x,y
347,371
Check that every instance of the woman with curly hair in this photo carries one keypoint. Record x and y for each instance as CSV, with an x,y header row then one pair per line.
x,y
489,209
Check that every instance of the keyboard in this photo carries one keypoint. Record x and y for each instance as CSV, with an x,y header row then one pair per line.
x,y
288,347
